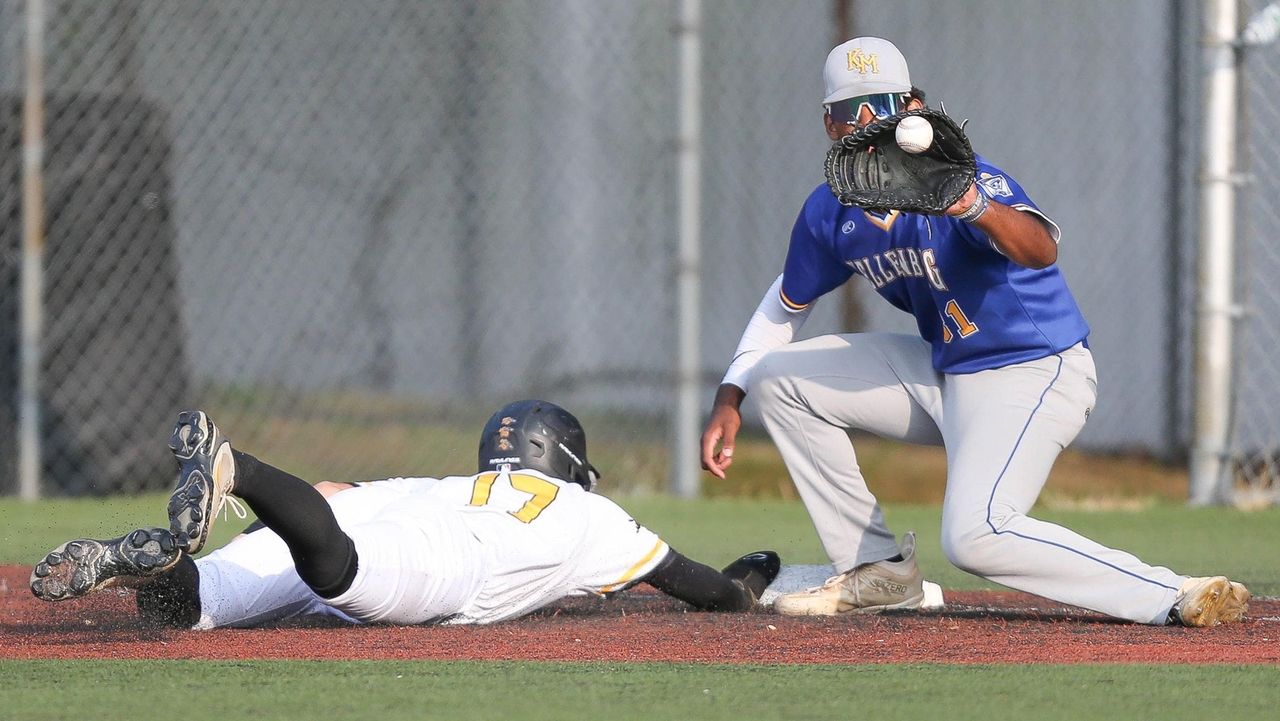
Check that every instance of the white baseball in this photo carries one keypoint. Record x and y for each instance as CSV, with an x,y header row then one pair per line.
x,y
914,134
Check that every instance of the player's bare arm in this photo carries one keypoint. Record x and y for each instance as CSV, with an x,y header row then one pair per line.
x,y
772,326
1022,237
722,429
329,488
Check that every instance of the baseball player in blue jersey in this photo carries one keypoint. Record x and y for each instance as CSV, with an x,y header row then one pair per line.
x,y
1000,374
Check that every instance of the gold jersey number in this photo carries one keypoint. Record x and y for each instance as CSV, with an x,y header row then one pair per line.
x,y
965,326
541,491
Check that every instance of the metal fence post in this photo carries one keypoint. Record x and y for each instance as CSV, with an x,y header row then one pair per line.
x,y
32,293
685,456
1216,307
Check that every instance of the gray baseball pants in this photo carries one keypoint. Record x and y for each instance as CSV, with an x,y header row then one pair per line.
x,y
1002,430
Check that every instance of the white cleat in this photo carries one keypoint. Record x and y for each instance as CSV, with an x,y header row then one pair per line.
x,y
1209,601
869,588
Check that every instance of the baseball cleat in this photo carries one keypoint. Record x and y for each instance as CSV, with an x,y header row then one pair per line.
x,y
1209,601
755,571
869,588
206,475
77,567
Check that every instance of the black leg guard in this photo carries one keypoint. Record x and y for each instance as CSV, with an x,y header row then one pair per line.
x,y
323,554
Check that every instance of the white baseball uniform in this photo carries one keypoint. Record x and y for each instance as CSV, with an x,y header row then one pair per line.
x,y
474,549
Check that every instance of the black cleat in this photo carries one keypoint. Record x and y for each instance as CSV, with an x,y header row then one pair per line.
x,y
755,570
77,567
206,475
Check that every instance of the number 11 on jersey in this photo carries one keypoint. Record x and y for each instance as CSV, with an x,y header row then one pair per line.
x,y
964,326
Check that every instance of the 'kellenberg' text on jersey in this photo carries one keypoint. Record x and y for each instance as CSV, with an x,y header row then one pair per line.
x,y
975,307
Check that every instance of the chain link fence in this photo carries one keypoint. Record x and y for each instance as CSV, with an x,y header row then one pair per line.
x,y
351,228
1256,428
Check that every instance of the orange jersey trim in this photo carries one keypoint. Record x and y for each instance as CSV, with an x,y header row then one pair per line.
x,y
631,572
791,305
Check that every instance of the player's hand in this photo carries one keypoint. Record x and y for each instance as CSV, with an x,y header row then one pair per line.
x,y
969,198
722,430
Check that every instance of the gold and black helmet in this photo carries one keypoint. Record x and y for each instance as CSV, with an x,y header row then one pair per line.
x,y
538,436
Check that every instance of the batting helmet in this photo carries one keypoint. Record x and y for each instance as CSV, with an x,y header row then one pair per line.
x,y
538,436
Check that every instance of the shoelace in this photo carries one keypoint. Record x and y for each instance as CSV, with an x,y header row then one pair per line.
x,y
236,505
828,582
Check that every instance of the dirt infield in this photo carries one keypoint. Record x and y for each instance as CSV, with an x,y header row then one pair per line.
x,y
975,627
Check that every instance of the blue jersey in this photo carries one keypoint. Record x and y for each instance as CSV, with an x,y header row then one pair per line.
x,y
975,307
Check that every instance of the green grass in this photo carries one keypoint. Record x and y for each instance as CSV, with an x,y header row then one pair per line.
x,y
1197,541
1194,541
389,691
1244,545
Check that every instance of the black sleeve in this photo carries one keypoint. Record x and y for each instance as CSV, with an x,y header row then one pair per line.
x,y
701,586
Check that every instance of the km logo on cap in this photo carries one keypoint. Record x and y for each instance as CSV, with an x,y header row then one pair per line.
x,y
863,63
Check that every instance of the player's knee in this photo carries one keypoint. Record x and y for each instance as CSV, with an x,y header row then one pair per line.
x,y
974,542
967,544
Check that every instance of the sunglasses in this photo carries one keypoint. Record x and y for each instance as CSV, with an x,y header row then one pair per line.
x,y
881,105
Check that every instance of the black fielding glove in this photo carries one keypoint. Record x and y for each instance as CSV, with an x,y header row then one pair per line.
x,y
869,170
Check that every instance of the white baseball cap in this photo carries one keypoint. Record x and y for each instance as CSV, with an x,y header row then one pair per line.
x,y
865,66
